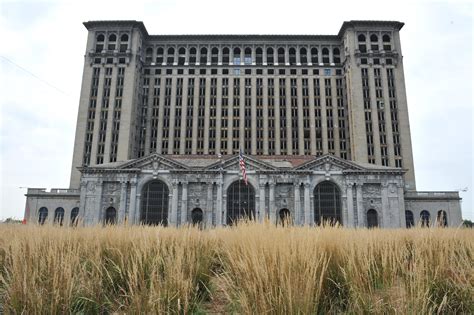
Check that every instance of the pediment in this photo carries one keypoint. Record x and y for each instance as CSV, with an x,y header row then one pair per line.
x,y
154,161
251,164
328,163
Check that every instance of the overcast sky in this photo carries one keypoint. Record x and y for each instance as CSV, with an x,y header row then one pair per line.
x,y
42,54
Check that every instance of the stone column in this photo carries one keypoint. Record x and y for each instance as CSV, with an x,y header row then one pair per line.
x,y
219,208
184,204
262,202
307,207
350,206
401,205
98,215
123,202
360,207
174,205
385,222
209,209
82,205
297,203
224,209
137,212
271,209
133,200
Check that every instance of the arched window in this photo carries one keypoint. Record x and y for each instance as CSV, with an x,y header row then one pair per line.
x,y
170,56
314,56
386,43
100,43
281,56
259,56
155,200
292,53
192,55
240,202
214,55
42,215
225,55
159,55
303,56
110,216
197,216
409,219
123,43
270,58
425,218
284,216
374,42
248,56
325,55
112,42
59,216
327,203
362,43
372,219
74,216
442,219
203,58
236,56
149,54
181,56
336,55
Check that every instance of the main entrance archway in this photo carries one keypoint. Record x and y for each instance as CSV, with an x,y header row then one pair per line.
x,y
154,204
240,202
327,203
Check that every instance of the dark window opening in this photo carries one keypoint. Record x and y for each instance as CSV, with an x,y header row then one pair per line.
x,y
372,219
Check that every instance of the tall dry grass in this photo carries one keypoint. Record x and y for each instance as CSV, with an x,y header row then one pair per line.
x,y
250,268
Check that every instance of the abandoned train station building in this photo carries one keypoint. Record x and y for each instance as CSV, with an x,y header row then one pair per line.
x,y
322,121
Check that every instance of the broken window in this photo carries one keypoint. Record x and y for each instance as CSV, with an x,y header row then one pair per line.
x,y
270,60
170,56
314,55
281,55
325,55
336,55
303,56
214,55
292,56
203,57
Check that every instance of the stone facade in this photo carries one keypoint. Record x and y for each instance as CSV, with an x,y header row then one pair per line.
x,y
312,114
278,183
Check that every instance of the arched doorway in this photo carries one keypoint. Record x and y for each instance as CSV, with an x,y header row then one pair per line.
x,y
240,202
285,216
110,216
42,215
197,216
372,219
409,219
442,218
425,218
327,203
154,204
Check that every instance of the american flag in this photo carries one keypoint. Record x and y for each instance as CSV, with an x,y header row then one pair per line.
x,y
242,167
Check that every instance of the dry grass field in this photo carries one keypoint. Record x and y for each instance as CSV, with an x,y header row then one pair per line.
x,y
251,268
